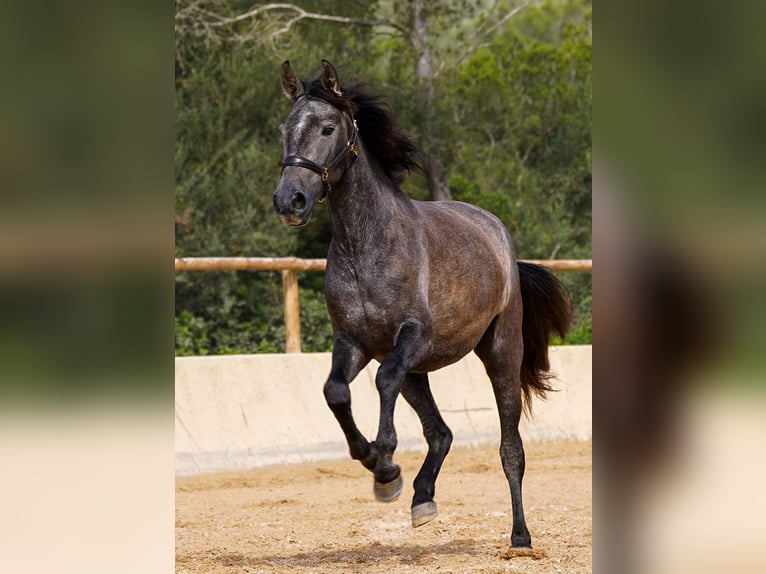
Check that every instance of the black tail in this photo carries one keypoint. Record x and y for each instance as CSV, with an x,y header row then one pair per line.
x,y
547,311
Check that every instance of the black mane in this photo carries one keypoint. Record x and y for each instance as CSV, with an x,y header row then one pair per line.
x,y
396,153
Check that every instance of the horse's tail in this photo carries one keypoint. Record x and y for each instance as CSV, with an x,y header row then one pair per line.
x,y
547,311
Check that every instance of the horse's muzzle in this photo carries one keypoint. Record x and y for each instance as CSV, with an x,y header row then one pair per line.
x,y
293,207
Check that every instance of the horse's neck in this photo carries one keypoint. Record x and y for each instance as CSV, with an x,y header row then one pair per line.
x,y
365,208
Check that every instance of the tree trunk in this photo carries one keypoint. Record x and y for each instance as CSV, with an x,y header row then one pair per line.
x,y
436,179
436,175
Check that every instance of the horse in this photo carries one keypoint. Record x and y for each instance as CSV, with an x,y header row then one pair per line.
x,y
415,285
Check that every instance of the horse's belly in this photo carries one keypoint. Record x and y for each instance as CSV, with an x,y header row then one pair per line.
x,y
450,344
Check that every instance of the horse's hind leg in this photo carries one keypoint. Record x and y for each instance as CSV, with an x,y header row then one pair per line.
x,y
512,456
347,360
501,352
417,393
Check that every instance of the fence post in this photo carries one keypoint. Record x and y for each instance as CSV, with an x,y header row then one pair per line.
x,y
292,311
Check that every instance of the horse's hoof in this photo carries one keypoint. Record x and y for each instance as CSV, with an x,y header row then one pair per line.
x,y
423,513
389,491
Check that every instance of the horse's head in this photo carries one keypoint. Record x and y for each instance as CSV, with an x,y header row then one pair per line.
x,y
319,143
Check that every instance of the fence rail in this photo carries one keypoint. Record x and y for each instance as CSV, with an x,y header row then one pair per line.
x,y
289,266
249,264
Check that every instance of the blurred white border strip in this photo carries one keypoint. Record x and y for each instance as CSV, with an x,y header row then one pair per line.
x,y
708,513
90,491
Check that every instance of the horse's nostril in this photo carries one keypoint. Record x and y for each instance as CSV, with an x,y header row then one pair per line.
x,y
298,202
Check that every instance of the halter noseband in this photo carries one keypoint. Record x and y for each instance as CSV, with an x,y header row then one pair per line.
x,y
324,172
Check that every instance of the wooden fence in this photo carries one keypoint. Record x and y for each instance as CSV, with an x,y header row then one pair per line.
x,y
289,266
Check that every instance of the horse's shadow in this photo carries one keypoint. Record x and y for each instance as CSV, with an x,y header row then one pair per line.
x,y
351,559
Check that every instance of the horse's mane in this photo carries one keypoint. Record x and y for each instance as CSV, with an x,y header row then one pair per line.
x,y
396,153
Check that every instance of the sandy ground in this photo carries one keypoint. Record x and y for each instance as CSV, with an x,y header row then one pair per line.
x,y
322,518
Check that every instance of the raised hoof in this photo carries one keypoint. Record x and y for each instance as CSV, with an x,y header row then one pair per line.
x,y
423,513
389,491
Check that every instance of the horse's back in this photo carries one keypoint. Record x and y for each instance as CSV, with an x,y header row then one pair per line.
x,y
465,234
466,219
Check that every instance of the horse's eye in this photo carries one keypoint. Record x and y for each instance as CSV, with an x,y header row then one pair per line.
x,y
327,130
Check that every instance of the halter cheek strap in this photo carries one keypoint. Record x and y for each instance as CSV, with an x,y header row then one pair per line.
x,y
324,172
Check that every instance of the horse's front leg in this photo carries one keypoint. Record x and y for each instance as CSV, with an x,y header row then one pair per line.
x,y
412,345
348,358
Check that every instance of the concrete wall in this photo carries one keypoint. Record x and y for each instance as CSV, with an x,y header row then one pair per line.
x,y
247,411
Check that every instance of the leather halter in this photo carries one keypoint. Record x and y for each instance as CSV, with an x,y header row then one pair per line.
x,y
324,171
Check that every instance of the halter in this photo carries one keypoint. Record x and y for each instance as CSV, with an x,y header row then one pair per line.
x,y
324,172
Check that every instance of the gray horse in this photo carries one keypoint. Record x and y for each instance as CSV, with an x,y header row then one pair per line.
x,y
414,285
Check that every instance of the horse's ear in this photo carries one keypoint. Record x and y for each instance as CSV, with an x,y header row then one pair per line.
x,y
330,81
291,84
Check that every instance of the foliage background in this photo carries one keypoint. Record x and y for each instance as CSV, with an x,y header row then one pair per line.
x,y
511,122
